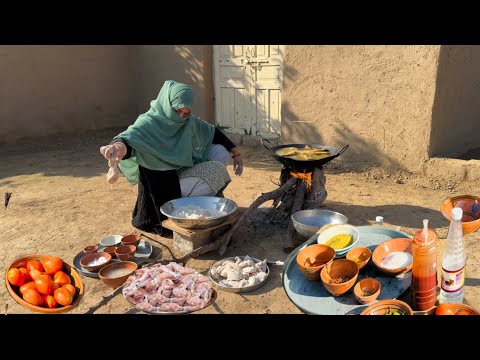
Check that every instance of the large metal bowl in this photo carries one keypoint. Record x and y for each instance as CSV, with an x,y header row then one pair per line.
x,y
308,222
218,204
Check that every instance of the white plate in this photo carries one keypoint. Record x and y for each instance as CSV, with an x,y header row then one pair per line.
x,y
111,240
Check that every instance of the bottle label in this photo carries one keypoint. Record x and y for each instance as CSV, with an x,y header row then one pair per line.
x,y
453,280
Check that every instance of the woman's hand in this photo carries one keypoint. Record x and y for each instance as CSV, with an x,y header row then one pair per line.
x,y
115,151
237,161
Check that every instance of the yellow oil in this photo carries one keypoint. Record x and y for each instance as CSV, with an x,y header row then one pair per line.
x,y
340,241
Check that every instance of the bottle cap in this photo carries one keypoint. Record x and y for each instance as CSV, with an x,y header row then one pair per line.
x,y
379,219
457,213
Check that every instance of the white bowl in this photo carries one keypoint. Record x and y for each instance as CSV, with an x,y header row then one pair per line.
x,y
111,240
326,235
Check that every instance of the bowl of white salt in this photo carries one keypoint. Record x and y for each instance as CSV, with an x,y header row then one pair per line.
x,y
94,262
199,212
393,256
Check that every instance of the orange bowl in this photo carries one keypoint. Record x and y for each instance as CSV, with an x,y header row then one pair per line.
x,y
471,211
69,270
384,306
132,239
116,273
337,269
455,309
367,290
360,255
388,247
311,259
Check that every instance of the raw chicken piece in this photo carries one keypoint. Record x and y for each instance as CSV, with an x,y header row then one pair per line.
x,y
246,263
234,274
113,171
261,276
253,281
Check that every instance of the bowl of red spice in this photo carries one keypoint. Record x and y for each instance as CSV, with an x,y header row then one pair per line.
x,y
339,276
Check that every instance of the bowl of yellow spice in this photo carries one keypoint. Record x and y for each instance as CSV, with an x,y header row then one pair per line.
x,y
340,237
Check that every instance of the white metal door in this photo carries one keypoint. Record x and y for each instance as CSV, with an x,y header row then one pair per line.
x,y
248,83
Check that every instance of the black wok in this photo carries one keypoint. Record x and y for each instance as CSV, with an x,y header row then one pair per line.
x,y
303,165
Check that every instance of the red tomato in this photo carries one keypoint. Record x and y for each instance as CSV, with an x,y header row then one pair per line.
x,y
26,286
44,284
33,297
63,296
52,264
61,278
15,277
34,264
49,301
445,309
25,272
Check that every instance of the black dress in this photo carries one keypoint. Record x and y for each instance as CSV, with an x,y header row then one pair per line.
x,y
156,187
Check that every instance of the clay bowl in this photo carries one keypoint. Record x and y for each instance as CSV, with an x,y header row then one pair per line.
x,y
92,257
132,239
69,270
360,255
116,273
384,306
311,259
339,269
125,252
388,247
110,250
456,309
369,285
471,211
90,249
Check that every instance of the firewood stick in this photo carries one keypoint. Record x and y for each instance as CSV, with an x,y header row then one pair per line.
x,y
316,183
222,242
297,205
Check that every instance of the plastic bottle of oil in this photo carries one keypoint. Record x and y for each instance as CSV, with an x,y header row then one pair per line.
x,y
453,261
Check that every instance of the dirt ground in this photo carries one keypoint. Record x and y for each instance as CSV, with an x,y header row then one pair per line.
x,y
61,203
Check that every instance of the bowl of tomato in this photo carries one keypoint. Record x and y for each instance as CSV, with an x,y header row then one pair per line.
x,y
455,309
44,284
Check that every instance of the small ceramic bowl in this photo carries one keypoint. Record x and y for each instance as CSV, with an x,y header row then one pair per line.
x,y
111,240
360,255
367,290
88,259
388,247
90,249
125,252
311,259
335,273
110,250
388,307
132,239
116,273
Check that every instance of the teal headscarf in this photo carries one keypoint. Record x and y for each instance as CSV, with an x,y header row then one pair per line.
x,y
161,139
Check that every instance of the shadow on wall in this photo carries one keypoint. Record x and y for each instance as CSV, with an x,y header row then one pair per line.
x,y
361,155
456,108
